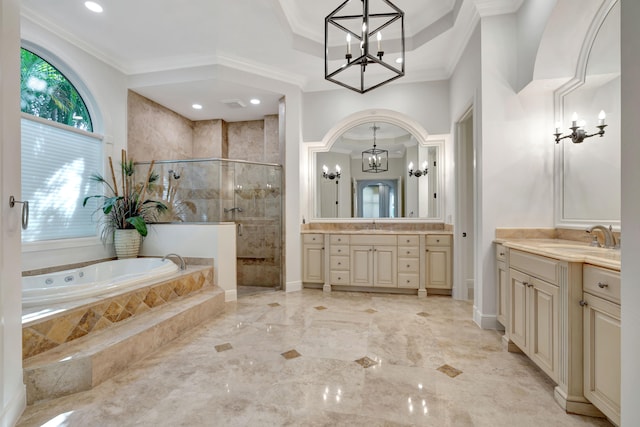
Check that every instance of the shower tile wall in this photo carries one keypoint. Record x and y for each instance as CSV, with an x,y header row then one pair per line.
x,y
155,132
205,189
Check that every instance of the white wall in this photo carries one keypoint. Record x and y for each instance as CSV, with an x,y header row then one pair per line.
x,y
217,241
12,390
427,103
515,162
107,105
531,20
630,212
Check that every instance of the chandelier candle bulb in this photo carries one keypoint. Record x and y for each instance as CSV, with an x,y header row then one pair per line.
x,y
379,40
411,166
348,44
574,120
601,117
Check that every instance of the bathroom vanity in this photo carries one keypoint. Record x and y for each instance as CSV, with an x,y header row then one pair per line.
x,y
559,302
378,260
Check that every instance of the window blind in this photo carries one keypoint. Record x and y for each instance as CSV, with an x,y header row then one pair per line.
x,y
56,165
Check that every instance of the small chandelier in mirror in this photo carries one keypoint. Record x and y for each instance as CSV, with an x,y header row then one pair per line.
x,y
375,160
374,59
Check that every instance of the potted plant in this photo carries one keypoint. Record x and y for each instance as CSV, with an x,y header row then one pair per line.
x,y
126,210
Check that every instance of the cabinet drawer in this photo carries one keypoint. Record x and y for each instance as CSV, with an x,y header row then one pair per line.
x,y
339,239
313,238
501,252
408,281
373,239
438,240
339,250
409,251
408,240
408,265
339,277
339,262
601,282
538,266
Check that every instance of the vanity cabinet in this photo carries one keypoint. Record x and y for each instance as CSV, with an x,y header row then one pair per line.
x,y
313,258
502,277
601,315
374,261
438,262
533,319
409,262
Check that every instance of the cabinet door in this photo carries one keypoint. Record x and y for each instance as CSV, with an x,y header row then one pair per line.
x,y
602,355
542,340
385,263
361,265
313,263
518,310
503,294
438,260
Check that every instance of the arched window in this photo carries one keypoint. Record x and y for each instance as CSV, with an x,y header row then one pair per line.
x,y
45,92
59,153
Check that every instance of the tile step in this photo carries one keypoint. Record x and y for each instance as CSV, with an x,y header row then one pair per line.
x,y
86,362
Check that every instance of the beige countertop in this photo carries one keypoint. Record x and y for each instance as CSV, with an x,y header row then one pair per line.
x,y
567,250
381,232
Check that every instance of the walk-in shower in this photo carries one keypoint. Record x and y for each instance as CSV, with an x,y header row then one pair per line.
x,y
220,190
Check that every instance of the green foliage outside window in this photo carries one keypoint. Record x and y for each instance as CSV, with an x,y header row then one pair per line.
x,y
45,92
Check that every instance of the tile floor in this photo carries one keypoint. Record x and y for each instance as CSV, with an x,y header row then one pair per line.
x,y
276,359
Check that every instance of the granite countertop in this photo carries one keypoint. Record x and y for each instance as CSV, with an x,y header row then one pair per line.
x,y
567,250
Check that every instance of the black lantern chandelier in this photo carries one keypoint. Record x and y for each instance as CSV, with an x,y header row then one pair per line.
x,y
365,66
375,160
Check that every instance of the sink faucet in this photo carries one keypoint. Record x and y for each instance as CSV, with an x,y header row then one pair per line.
x,y
609,238
234,209
183,265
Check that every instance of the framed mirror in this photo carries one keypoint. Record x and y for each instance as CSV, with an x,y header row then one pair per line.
x,y
343,184
588,181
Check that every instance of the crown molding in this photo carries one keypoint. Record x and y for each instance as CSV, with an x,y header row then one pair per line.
x,y
497,7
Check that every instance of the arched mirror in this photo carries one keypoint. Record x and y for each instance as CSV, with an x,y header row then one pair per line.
x,y
589,186
402,179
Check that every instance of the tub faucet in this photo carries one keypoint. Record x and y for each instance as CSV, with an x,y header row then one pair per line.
x,y
183,265
609,238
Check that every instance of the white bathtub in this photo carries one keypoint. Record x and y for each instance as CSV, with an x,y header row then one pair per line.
x,y
93,280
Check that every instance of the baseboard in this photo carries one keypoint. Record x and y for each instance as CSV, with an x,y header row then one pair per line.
x,y
12,412
485,321
293,286
231,295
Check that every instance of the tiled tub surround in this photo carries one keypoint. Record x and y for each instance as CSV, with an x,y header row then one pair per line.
x,y
98,340
44,328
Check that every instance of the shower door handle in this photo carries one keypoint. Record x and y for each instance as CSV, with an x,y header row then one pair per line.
x,y
25,211
239,229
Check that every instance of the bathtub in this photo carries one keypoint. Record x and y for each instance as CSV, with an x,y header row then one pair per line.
x,y
93,280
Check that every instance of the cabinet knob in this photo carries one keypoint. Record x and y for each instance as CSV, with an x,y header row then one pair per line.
x,y
501,253
583,303
602,285
408,266
408,252
408,281
438,240
339,263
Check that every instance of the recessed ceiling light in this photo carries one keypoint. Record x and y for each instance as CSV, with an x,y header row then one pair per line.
x,y
255,101
399,61
196,107
93,6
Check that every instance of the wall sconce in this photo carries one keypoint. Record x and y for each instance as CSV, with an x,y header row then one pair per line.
x,y
578,133
331,175
419,172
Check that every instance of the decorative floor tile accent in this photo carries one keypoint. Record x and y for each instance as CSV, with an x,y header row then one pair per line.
x,y
423,314
291,354
223,347
370,311
449,370
320,308
366,362
274,304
